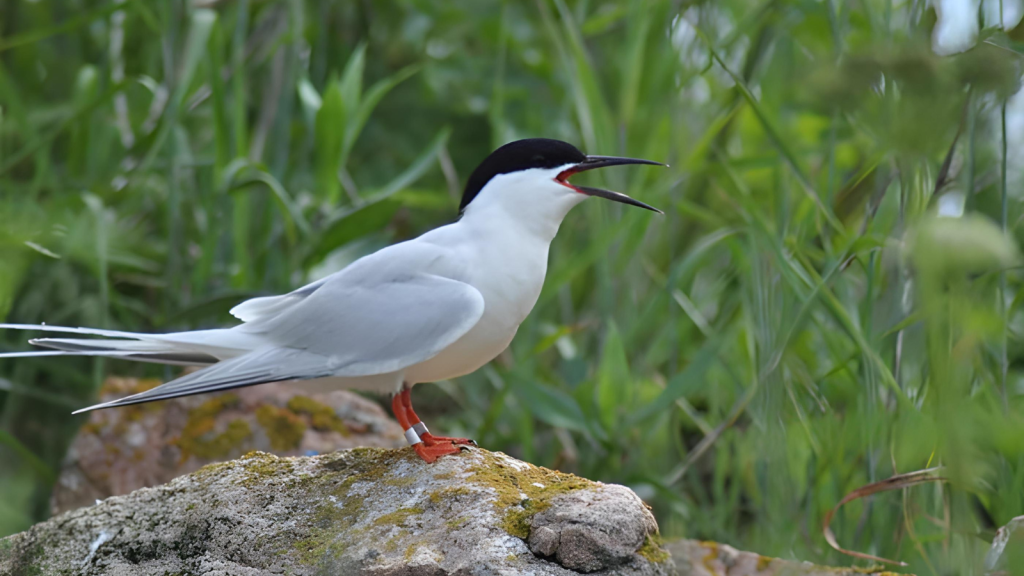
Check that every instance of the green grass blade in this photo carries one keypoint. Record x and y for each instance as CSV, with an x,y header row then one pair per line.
x,y
329,138
351,83
37,465
370,100
69,25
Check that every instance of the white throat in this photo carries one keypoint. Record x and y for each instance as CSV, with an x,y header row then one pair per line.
x,y
530,200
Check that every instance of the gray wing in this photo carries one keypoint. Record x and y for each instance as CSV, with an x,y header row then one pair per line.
x,y
345,328
257,367
378,327
265,307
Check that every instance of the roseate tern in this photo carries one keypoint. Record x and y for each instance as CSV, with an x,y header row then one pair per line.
x,y
432,308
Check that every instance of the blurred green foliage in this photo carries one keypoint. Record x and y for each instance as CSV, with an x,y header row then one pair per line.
x,y
798,325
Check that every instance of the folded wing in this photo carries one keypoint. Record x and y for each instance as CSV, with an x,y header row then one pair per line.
x,y
347,327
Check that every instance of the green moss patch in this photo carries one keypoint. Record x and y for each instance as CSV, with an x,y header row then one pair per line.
x,y
198,438
510,483
24,560
336,516
446,494
456,523
260,466
516,521
284,428
398,517
322,417
652,549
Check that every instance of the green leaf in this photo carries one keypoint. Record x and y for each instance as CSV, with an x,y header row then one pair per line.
x,y
86,89
356,122
196,48
64,27
218,99
310,99
614,383
633,64
590,107
40,467
352,80
425,161
65,400
583,260
773,135
910,320
356,224
551,405
328,138
293,215
685,382
34,145
552,338
351,223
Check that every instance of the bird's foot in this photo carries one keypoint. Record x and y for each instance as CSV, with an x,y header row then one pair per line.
x,y
426,445
434,451
429,439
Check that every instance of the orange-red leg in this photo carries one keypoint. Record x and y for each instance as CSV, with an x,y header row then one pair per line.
x,y
421,428
431,453
426,445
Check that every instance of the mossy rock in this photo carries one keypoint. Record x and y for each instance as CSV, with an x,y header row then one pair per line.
x,y
361,511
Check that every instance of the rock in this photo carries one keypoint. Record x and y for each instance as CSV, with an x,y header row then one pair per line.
x,y
694,558
366,511
122,450
591,529
1006,556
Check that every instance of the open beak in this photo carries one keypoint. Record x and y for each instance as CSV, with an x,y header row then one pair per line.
x,y
603,162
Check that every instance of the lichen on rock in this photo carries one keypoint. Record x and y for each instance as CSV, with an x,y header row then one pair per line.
x,y
118,451
199,437
322,416
284,428
362,511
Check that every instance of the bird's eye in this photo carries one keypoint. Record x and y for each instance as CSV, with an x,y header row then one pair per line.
x,y
538,158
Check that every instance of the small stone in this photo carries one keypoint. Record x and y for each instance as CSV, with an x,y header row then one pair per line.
x,y
544,541
591,530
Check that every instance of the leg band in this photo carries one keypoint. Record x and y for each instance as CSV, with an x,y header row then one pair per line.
x,y
420,428
412,437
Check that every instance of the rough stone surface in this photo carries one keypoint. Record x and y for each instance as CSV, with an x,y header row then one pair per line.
x,y
590,529
365,511
122,450
695,558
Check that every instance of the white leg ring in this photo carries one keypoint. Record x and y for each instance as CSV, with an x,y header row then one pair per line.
x,y
412,437
420,428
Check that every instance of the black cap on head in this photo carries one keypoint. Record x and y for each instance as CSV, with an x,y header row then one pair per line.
x,y
520,155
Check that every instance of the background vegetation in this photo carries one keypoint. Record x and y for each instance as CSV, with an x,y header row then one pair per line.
x,y
798,324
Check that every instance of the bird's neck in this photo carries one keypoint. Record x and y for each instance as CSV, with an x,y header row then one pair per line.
x,y
536,220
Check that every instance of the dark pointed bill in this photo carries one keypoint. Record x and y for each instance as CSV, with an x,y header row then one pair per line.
x,y
616,197
593,162
604,161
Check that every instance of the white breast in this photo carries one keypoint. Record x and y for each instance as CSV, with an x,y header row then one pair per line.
x,y
508,270
504,237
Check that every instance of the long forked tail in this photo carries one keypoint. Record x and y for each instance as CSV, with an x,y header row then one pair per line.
x,y
261,366
230,358
199,348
